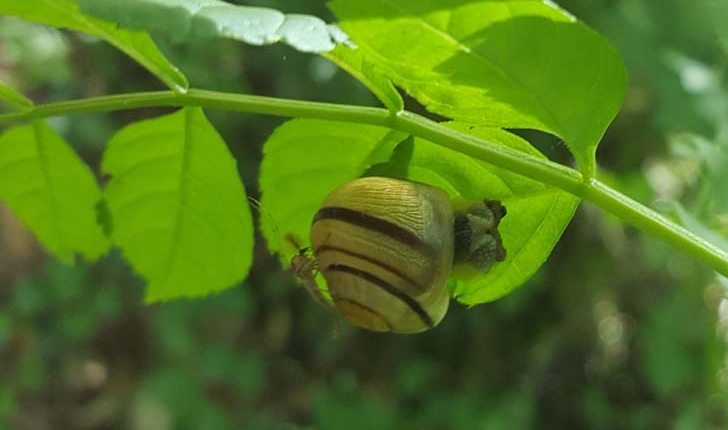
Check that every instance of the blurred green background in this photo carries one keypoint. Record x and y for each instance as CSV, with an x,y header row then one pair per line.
x,y
616,331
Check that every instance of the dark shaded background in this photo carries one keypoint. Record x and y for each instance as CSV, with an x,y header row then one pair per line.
x,y
616,331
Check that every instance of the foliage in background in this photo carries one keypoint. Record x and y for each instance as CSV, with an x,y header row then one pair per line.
x,y
582,346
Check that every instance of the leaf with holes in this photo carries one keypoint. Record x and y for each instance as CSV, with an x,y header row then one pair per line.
x,y
51,190
178,209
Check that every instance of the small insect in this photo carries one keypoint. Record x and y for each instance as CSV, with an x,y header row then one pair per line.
x,y
386,248
305,267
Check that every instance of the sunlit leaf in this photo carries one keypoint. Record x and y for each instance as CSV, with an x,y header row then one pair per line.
x,y
51,190
537,214
304,160
192,19
514,64
178,209
65,14
299,170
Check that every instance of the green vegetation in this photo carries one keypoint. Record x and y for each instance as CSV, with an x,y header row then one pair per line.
x,y
138,167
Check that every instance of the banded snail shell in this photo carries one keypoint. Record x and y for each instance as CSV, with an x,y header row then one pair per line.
x,y
385,248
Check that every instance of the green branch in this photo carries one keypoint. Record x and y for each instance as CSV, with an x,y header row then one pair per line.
x,y
541,170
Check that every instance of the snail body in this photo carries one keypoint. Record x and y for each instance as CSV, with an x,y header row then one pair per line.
x,y
386,248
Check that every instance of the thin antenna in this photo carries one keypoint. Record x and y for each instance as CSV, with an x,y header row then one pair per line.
x,y
303,265
257,205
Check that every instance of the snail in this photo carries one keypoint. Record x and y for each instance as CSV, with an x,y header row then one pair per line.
x,y
386,248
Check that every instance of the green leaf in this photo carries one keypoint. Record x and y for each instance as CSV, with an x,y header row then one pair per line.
x,y
299,169
14,98
304,160
136,44
537,214
178,208
353,61
513,64
192,19
48,187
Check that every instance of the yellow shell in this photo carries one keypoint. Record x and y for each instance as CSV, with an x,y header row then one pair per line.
x,y
385,248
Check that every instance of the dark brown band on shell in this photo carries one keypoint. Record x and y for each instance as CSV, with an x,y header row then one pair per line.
x,y
389,288
369,222
366,308
384,266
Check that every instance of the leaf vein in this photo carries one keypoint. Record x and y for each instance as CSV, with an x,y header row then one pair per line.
x,y
464,48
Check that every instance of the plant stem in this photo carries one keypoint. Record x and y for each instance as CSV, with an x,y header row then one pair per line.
x,y
657,225
538,169
207,99
571,181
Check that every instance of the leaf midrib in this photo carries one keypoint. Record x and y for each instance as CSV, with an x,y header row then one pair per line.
x,y
51,195
178,214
